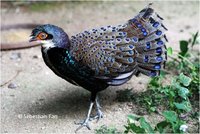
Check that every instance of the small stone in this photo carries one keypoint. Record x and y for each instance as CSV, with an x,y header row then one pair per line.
x,y
47,73
27,130
35,57
37,103
140,82
183,128
12,86
129,104
187,27
41,99
43,128
184,116
15,56
119,109
17,10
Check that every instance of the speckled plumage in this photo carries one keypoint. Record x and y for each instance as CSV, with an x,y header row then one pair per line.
x,y
110,55
136,46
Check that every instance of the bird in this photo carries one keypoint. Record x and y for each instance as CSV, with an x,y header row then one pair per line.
x,y
106,56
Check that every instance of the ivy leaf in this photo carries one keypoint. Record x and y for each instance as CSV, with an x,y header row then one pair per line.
x,y
183,47
144,124
170,116
185,80
161,126
183,92
185,105
169,51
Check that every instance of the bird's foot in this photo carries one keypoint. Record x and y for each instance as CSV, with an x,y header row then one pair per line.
x,y
98,116
84,123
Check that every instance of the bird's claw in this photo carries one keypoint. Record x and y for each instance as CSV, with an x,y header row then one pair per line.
x,y
83,123
98,116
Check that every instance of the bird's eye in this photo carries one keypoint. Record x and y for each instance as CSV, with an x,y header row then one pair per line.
x,y
42,36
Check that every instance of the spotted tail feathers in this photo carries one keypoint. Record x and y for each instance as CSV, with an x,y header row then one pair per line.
x,y
151,49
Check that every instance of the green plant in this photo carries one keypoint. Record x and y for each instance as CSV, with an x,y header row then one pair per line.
x,y
171,124
107,130
144,126
187,62
172,121
175,93
174,96
178,96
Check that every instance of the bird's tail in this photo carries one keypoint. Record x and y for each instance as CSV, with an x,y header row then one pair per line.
x,y
151,49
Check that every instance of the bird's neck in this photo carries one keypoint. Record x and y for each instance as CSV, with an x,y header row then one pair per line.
x,y
62,40
47,44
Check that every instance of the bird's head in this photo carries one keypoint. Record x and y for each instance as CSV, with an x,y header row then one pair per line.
x,y
50,36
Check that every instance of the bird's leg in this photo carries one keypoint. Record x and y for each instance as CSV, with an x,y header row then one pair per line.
x,y
84,123
98,108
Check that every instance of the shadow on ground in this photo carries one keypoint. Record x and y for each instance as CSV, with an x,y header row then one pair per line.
x,y
69,104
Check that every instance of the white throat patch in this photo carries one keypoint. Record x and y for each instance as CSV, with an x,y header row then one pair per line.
x,y
47,44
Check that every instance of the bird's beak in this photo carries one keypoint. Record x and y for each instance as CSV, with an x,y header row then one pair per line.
x,y
32,38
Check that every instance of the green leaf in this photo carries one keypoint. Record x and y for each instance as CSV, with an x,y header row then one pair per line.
x,y
144,124
161,126
180,66
169,51
154,82
185,105
153,109
183,92
183,47
170,116
127,129
136,129
194,38
132,118
185,80
172,93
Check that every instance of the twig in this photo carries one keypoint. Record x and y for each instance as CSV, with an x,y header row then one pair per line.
x,y
168,72
11,78
174,59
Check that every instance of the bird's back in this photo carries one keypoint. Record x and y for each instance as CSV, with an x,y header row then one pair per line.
x,y
115,54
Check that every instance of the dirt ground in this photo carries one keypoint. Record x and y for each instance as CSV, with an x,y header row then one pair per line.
x,y
41,102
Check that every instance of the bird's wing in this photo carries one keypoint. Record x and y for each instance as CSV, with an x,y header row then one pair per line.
x,y
65,66
116,53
